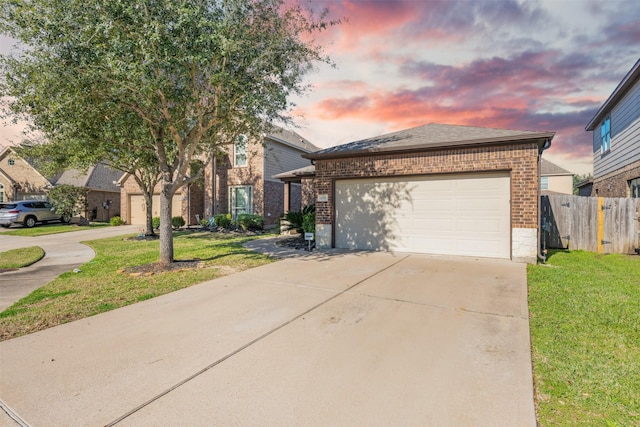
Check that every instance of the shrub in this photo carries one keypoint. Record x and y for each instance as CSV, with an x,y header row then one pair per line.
x,y
116,220
177,222
250,221
155,222
296,218
309,222
221,220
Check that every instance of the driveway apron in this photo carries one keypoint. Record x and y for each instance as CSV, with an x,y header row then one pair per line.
x,y
332,339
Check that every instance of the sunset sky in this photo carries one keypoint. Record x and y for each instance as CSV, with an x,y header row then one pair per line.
x,y
544,65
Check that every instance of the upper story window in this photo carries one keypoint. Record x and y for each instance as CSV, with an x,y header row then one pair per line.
x,y
605,135
240,151
544,182
11,162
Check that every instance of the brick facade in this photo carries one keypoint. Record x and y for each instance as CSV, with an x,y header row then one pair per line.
x,y
520,160
96,203
616,184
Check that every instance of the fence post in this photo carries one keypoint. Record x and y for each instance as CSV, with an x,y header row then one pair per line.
x,y
600,225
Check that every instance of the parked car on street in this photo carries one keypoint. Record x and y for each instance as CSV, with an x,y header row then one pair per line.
x,y
29,213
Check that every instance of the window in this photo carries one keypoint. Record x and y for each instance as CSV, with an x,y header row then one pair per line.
x,y
11,162
634,188
544,182
1,193
605,135
240,151
241,200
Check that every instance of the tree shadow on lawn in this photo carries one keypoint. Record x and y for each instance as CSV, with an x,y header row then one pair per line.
x,y
224,250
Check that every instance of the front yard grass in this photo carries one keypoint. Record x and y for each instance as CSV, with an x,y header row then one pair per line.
x,y
100,287
585,335
42,230
22,257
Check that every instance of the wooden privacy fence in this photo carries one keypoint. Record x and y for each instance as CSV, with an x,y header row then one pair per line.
x,y
595,224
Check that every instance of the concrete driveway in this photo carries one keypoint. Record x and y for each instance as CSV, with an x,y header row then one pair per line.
x,y
334,339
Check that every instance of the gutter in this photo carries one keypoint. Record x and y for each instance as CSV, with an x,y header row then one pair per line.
x,y
542,253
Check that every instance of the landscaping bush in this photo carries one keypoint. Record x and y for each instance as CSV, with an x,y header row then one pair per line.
x,y
116,220
177,222
155,222
250,221
222,220
296,218
309,222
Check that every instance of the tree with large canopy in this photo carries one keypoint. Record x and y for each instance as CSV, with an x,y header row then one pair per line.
x,y
167,81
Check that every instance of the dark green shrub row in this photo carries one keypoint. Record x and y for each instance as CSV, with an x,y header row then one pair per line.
x,y
222,220
176,222
250,221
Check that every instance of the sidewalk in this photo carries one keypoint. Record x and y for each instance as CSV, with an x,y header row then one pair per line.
x,y
63,252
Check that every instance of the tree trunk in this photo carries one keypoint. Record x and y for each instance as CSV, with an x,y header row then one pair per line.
x,y
166,231
148,200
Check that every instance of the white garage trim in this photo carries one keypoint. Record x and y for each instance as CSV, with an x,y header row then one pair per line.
x,y
467,214
137,208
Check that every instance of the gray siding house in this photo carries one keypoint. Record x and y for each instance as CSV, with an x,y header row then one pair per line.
x,y
616,140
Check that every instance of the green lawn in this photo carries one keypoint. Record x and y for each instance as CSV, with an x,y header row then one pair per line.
x,y
101,287
585,335
42,230
22,257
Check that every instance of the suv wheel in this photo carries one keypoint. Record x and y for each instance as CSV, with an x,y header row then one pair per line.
x,y
30,222
66,219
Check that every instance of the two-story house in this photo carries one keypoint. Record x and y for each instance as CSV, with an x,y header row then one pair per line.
x,y
241,181
616,140
554,179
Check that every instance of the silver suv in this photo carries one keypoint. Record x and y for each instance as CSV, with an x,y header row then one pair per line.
x,y
28,213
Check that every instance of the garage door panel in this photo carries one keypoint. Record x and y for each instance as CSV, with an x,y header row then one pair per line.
x,y
137,207
457,215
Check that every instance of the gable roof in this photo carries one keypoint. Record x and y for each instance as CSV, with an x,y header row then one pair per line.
x,y
8,150
99,177
292,139
432,136
548,168
632,77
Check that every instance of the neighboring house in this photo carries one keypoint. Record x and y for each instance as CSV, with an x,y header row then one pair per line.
x,y
437,189
585,188
616,140
103,196
241,181
554,179
20,180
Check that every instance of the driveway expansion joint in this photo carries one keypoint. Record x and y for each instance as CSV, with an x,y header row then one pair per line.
x,y
249,344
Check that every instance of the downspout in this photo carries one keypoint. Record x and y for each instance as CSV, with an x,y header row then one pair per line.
x,y
213,187
542,254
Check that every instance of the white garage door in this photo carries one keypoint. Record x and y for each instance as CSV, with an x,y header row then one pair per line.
x,y
451,215
137,207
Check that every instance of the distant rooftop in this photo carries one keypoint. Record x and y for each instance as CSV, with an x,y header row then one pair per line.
x,y
548,168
